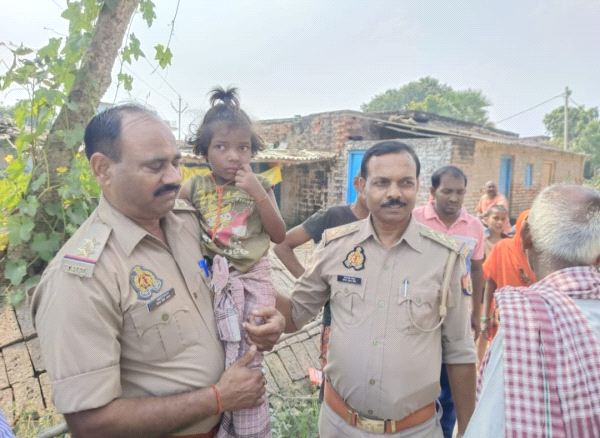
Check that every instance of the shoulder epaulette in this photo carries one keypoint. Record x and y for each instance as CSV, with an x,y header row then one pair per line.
x,y
336,232
88,249
182,205
445,240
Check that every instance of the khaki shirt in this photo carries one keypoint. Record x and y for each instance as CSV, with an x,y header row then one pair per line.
x,y
379,362
99,339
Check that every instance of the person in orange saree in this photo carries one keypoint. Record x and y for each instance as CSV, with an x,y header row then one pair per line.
x,y
505,266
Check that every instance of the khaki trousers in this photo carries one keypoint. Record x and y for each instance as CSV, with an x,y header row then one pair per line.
x,y
331,425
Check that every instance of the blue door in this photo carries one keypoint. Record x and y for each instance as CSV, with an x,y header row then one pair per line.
x,y
354,159
505,175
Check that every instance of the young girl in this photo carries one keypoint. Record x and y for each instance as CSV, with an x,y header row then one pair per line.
x,y
238,219
496,219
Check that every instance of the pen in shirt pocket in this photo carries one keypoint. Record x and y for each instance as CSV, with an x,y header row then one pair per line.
x,y
202,264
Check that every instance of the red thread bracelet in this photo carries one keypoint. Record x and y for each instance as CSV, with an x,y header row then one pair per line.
x,y
219,408
262,199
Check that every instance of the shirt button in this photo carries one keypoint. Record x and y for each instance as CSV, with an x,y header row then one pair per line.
x,y
381,304
372,381
370,412
386,267
418,300
165,316
375,341
346,291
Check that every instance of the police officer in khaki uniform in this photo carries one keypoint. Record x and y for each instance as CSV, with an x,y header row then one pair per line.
x,y
398,311
123,312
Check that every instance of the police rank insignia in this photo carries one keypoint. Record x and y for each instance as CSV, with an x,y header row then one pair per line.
x,y
145,282
356,258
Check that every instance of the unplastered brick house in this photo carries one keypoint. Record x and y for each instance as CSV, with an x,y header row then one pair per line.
x,y
320,153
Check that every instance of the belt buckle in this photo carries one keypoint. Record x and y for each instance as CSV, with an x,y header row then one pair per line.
x,y
368,425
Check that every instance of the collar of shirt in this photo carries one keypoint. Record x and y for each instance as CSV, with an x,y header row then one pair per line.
x,y
579,282
411,235
430,213
127,232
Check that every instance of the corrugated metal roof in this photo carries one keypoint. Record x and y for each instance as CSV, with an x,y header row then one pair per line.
x,y
429,128
283,156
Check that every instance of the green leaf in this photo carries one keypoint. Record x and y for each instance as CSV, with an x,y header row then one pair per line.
x,y
74,137
31,281
26,228
50,50
35,185
147,10
15,271
53,208
127,80
22,51
29,206
46,246
163,56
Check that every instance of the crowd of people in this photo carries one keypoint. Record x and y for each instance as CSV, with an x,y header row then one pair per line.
x,y
153,316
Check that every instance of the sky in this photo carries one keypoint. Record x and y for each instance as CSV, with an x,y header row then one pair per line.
x,y
292,57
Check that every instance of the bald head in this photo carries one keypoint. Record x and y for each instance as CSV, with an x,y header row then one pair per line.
x,y
491,189
564,223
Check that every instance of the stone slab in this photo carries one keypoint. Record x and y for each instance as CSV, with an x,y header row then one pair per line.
x,y
35,353
302,357
9,328
28,397
3,376
45,385
7,405
291,364
18,363
23,315
313,351
280,375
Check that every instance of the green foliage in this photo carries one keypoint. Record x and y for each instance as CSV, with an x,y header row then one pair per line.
x,y
583,130
47,74
163,56
401,98
427,94
296,419
147,11
30,423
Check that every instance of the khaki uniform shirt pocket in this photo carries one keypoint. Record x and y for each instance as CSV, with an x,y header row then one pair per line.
x,y
164,332
348,302
418,311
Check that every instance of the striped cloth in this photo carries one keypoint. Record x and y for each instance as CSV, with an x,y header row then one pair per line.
x,y
237,294
5,430
551,357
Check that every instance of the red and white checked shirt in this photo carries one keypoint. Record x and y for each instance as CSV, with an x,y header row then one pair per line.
x,y
551,357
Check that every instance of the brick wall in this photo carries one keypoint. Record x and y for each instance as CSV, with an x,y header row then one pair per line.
x,y
317,132
304,190
484,165
307,188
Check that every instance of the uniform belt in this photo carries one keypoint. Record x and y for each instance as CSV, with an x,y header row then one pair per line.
x,y
337,404
210,434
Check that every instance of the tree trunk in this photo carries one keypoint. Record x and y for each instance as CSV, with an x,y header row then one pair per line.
x,y
92,80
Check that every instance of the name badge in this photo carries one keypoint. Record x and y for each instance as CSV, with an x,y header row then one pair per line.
x,y
160,300
348,279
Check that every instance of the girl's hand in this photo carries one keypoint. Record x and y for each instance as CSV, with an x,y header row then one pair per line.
x,y
246,180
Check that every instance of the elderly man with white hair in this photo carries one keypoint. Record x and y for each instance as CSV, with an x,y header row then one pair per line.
x,y
541,377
